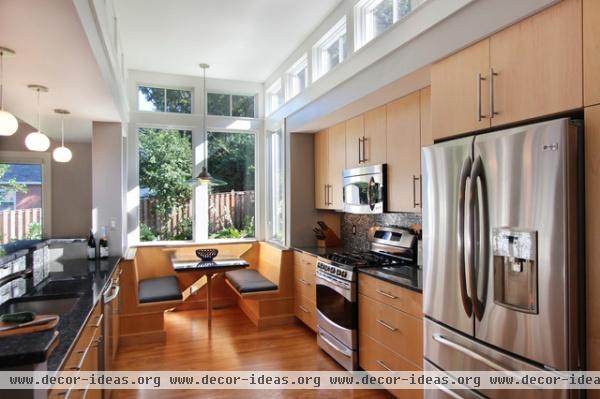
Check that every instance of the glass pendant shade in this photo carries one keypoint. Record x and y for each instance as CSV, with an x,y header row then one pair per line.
x,y
8,123
62,154
37,141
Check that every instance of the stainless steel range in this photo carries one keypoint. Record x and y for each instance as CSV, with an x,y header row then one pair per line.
x,y
337,307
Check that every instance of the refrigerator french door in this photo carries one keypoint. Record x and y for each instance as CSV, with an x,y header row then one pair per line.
x,y
501,251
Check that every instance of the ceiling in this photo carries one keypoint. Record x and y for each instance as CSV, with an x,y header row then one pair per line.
x,y
241,39
52,50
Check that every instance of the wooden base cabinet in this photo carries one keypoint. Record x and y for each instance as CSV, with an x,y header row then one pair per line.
x,y
305,290
390,329
592,170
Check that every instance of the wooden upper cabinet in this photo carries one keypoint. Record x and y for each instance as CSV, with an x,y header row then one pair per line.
x,y
374,148
337,163
426,132
591,52
355,132
403,154
538,62
321,168
454,91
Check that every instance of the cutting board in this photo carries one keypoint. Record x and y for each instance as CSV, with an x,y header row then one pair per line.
x,y
51,323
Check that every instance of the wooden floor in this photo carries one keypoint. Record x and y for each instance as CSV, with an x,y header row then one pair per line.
x,y
233,344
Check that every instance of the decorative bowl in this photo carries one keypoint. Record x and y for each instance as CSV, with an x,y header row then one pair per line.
x,y
207,254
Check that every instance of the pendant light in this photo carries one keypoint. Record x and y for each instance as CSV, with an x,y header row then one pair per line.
x,y
8,122
204,177
37,141
62,153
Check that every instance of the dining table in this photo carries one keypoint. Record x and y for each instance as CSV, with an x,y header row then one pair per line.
x,y
189,263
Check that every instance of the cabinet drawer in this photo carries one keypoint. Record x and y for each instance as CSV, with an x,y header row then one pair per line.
x,y
306,310
375,357
305,267
305,289
400,298
397,330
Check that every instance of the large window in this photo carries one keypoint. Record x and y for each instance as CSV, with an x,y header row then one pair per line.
x,y
276,186
296,77
167,210
274,96
373,17
330,50
220,104
165,168
160,99
231,207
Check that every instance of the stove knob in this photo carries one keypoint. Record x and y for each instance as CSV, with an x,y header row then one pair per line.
x,y
344,273
338,272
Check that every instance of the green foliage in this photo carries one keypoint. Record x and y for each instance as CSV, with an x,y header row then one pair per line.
x,y
146,233
166,167
217,104
231,159
231,232
179,101
34,231
183,231
242,106
9,186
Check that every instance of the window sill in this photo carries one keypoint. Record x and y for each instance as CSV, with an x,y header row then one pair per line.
x,y
193,243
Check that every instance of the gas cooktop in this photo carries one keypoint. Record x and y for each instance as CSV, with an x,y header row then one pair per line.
x,y
357,260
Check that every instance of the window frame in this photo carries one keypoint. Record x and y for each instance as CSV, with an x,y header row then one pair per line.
x,y
165,87
335,33
292,73
231,94
44,159
270,217
275,87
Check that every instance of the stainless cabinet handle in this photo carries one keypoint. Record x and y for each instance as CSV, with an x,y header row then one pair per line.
x,y
359,145
81,360
343,351
479,115
415,203
331,195
386,325
303,281
115,294
325,188
383,365
386,294
364,150
98,322
302,308
491,83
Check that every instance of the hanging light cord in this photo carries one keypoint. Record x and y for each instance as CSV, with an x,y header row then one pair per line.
x,y
62,129
38,111
1,80
204,120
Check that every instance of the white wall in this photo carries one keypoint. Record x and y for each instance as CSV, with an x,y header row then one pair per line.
x,y
107,200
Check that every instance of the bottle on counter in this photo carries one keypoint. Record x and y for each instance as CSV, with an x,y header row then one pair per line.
x,y
91,246
103,244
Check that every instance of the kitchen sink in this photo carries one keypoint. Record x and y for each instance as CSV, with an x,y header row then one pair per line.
x,y
41,304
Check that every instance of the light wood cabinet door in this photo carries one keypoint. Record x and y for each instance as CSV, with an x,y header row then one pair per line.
x,y
538,62
592,176
321,169
454,91
591,52
403,154
337,163
426,132
374,148
355,132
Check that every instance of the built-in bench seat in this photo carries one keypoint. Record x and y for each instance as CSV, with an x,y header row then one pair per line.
x,y
159,289
249,280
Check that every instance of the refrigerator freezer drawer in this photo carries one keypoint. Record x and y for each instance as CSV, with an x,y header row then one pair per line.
x,y
451,351
447,392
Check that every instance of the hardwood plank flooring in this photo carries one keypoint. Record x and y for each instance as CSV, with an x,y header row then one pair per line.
x,y
234,343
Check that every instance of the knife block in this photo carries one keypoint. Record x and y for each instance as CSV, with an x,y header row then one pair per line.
x,y
331,240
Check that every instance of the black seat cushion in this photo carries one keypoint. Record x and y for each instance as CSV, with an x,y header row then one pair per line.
x,y
159,289
249,280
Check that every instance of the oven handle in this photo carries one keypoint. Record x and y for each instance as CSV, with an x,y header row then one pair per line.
x,y
334,346
327,282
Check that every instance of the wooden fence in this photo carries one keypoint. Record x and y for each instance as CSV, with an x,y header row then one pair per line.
x,y
14,225
225,210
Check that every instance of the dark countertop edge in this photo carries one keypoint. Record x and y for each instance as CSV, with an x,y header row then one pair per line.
x,y
38,356
10,257
116,259
370,272
319,251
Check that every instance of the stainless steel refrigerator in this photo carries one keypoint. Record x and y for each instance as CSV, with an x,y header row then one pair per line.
x,y
503,253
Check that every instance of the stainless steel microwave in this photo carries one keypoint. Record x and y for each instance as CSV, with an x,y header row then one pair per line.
x,y
365,189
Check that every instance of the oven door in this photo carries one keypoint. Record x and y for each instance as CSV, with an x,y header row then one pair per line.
x,y
337,311
364,193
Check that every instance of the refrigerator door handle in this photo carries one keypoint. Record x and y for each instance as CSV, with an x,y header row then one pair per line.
x,y
478,174
464,175
468,352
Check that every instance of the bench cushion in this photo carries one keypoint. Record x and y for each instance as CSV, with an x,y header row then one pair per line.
x,y
249,280
159,289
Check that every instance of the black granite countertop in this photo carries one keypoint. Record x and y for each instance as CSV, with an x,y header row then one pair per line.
x,y
410,277
88,279
318,251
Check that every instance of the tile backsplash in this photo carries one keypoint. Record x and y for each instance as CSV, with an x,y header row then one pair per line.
x,y
358,241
